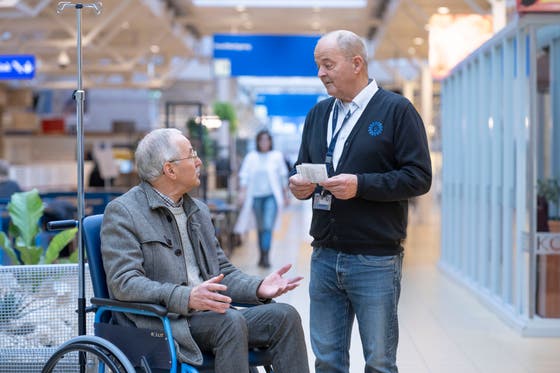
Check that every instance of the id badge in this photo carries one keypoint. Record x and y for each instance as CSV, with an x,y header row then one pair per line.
x,y
322,202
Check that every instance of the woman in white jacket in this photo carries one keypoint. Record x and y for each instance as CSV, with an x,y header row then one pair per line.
x,y
263,180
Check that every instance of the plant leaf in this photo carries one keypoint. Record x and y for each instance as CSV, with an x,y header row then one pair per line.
x,y
73,258
6,245
30,254
26,208
58,243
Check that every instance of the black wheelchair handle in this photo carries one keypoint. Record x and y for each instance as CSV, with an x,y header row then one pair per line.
x,y
58,225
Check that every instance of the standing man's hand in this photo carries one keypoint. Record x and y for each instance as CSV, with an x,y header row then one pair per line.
x,y
206,296
343,186
275,285
301,188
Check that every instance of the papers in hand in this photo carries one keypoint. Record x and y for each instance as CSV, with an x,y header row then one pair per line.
x,y
315,173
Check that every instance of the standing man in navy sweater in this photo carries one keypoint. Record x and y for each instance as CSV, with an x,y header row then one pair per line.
x,y
375,149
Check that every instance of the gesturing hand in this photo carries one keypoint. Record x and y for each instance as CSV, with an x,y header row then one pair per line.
x,y
206,296
275,285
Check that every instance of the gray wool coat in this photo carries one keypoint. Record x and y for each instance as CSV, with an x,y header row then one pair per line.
x,y
144,261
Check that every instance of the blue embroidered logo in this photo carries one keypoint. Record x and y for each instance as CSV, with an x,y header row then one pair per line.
x,y
375,128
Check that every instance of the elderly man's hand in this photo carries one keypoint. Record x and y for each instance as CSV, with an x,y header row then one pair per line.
x,y
301,188
343,186
275,285
206,296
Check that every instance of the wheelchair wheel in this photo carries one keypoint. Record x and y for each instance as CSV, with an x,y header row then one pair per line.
x,y
89,353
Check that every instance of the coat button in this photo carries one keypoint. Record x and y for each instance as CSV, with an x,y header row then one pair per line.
x,y
167,240
169,218
178,252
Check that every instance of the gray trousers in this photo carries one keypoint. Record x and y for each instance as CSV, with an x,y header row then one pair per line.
x,y
228,336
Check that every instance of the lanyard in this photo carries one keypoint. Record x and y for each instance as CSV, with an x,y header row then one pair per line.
x,y
332,144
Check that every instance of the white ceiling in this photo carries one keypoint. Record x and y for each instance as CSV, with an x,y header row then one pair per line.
x,y
152,43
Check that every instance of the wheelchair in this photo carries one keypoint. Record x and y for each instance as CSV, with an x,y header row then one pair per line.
x,y
123,349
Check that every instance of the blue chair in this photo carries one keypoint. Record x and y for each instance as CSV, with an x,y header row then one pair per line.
x,y
156,351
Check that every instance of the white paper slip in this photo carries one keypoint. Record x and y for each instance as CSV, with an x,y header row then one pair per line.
x,y
313,172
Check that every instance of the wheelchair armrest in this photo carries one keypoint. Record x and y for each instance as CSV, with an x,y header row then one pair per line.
x,y
157,309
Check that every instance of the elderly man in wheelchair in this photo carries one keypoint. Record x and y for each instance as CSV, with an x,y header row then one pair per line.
x,y
158,246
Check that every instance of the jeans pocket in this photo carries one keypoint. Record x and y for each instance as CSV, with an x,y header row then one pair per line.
x,y
316,252
378,261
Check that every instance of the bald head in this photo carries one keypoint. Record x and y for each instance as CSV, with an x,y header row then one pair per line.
x,y
341,58
348,42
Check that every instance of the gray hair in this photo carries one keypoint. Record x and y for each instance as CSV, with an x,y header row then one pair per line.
x,y
156,148
349,43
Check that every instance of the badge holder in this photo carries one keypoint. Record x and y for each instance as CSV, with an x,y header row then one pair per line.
x,y
322,200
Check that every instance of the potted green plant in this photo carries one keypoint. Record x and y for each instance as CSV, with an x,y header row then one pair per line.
x,y
226,111
548,197
20,242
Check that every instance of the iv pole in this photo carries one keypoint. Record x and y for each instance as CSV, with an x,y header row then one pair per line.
x,y
106,352
79,96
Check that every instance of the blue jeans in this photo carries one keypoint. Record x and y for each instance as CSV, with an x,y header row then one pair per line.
x,y
343,287
265,210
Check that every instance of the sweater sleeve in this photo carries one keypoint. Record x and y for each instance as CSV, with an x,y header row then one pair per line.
x,y
412,174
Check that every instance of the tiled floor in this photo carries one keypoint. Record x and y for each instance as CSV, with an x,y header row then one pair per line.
x,y
444,329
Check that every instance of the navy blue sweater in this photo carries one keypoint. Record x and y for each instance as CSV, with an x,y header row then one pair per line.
x,y
388,151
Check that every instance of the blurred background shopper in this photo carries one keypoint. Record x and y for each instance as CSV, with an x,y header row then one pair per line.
x,y
263,190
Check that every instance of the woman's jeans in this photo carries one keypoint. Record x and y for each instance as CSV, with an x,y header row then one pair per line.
x,y
265,210
343,286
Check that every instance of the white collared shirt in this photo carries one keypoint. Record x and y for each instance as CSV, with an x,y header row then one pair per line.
x,y
357,107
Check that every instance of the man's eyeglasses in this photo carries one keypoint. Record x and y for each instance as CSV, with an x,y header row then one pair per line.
x,y
193,155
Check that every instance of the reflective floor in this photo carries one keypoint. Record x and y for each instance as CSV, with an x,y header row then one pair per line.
x,y
443,326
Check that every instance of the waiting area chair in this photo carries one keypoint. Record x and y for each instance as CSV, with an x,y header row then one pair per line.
x,y
151,351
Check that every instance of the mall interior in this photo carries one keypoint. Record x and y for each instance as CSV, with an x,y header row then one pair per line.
x,y
81,83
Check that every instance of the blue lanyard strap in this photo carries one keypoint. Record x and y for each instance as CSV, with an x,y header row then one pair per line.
x,y
332,144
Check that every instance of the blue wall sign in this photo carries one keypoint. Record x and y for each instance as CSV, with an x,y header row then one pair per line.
x,y
267,55
17,67
288,105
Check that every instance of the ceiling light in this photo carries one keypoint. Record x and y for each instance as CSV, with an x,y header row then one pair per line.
x,y
443,10
154,49
8,3
240,8
63,59
412,51
283,3
418,41
211,121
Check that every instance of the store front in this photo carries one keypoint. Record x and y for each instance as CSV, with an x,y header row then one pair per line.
x,y
501,134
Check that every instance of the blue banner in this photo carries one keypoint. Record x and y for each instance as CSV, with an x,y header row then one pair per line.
x,y
288,105
17,67
267,55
